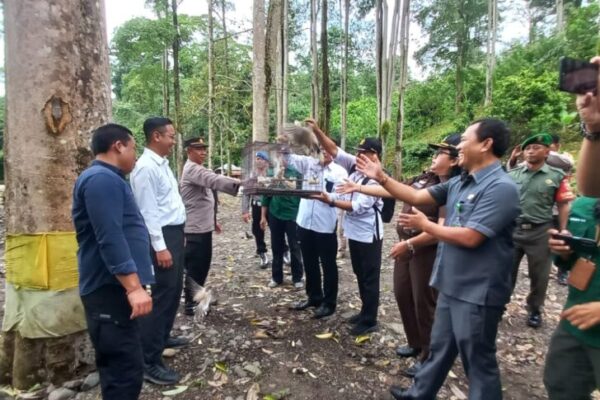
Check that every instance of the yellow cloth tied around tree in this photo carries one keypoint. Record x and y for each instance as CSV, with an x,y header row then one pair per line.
x,y
43,261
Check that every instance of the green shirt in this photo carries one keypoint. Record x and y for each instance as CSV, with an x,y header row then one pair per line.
x,y
582,223
537,191
284,208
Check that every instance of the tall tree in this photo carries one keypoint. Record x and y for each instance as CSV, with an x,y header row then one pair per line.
x,y
560,16
325,107
176,87
456,31
403,79
55,99
344,75
314,83
264,48
227,128
491,50
211,84
281,83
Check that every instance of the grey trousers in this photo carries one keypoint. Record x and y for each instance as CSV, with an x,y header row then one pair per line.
x,y
468,330
572,370
534,244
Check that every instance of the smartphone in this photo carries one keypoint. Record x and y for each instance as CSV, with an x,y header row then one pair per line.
x,y
578,244
577,76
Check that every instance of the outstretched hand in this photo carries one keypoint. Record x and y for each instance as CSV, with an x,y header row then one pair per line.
x,y
323,197
372,169
347,187
416,220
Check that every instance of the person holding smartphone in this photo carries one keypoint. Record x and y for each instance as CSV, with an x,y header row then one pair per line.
x,y
588,107
572,369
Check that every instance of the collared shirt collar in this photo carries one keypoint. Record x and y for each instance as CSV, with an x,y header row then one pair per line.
x,y
483,173
155,157
113,168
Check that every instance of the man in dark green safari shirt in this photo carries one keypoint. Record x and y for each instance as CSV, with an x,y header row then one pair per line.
x,y
573,362
538,186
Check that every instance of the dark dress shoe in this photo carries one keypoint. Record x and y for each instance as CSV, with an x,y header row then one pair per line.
x,y
323,311
407,351
534,319
362,329
412,370
399,394
355,319
303,305
160,375
174,342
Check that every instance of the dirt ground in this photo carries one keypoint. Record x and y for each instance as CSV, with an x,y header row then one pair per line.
x,y
251,346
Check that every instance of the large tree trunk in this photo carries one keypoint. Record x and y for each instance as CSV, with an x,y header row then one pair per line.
x,y
227,103
285,61
281,69
264,48
379,60
560,16
165,66
325,108
404,40
314,83
211,84
491,50
176,89
344,77
57,92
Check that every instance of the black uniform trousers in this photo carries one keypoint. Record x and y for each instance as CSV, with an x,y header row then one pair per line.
x,y
279,230
198,256
465,329
259,234
366,264
117,342
320,249
166,294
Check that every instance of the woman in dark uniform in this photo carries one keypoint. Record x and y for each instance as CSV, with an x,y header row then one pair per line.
x,y
415,255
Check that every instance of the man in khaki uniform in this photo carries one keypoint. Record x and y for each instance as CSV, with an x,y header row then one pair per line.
x,y
538,187
198,190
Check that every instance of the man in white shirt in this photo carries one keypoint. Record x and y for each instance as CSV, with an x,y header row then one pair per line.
x,y
317,232
157,195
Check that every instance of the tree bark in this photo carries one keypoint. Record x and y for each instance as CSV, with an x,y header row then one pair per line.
x,y
403,79
560,16
285,60
344,77
325,107
227,103
314,84
211,85
57,92
177,89
491,51
379,61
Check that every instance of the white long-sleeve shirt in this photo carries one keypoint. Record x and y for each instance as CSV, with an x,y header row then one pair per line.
x,y
157,194
315,215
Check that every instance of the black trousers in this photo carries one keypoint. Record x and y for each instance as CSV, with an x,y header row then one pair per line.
x,y
166,293
259,234
366,264
117,342
279,230
320,249
198,256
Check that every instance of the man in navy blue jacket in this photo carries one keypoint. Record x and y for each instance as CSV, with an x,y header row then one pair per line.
x,y
114,261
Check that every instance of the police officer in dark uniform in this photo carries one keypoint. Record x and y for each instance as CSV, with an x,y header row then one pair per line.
x,y
538,184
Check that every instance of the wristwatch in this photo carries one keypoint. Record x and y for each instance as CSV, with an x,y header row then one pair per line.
x,y
592,136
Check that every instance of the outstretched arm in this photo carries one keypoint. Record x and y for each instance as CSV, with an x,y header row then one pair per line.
x,y
325,141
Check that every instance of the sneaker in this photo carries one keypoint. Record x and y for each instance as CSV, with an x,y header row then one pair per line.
x,y
160,375
299,285
174,342
264,260
534,319
273,284
287,258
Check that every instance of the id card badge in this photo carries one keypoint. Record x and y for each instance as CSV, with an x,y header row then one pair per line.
x,y
581,274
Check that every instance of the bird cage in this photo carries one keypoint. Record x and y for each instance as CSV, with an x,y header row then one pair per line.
x,y
266,170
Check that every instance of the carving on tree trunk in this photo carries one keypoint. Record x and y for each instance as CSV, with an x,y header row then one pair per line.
x,y
57,114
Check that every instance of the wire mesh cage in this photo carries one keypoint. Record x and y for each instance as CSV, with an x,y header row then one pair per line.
x,y
266,171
